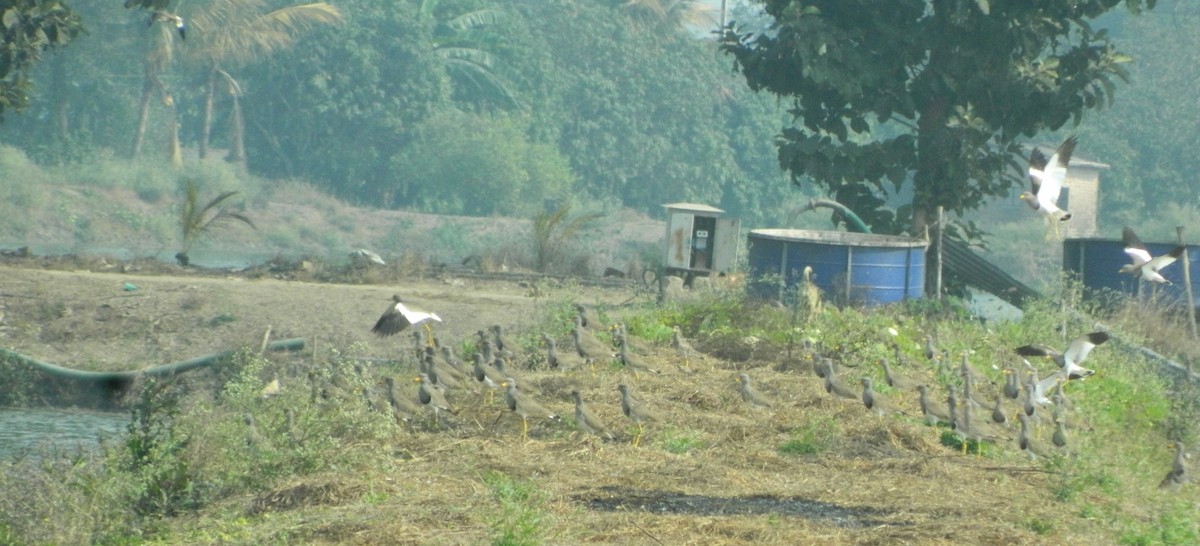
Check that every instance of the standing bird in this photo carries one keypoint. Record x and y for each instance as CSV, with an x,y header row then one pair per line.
x,y
1142,265
980,430
632,361
835,386
621,334
998,415
486,374
432,397
822,366
503,342
587,345
751,395
1046,182
810,294
683,348
588,421
586,320
1179,473
1027,443
894,380
932,352
1012,389
1069,361
874,401
160,16
1060,432
400,316
403,408
933,412
524,405
561,361
635,411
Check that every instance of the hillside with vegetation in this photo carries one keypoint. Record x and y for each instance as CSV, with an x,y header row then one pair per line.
x,y
448,132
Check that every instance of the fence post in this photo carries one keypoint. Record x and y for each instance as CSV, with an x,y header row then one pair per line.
x,y
1187,283
938,278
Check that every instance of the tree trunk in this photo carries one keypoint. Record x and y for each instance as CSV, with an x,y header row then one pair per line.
x,y
210,90
931,182
173,149
61,103
143,115
237,134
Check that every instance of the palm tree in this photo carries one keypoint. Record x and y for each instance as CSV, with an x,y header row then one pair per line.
x,y
674,12
158,58
239,31
552,231
461,42
195,219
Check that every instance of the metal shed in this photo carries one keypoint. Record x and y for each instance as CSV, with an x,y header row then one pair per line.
x,y
700,241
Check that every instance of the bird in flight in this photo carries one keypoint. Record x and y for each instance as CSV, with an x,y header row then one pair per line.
x,y
160,16
1142,265
1046,178
1069,361
400,316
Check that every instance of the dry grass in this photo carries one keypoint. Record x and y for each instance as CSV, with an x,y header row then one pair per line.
x,y
711,470
882,480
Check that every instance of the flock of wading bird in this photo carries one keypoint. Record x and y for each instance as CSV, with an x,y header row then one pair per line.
x,y
971,417
966,412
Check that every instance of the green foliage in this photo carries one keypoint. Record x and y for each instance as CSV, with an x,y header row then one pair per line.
x,y
195,220
20,187
1040,526
492,169
815,436
518,522
164,481
880,90
680,441
552,231
30,28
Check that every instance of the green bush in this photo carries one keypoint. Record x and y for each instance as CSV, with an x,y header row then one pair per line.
x,y
492,169
518,522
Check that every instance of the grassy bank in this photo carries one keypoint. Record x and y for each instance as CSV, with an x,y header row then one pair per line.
x,y
210,460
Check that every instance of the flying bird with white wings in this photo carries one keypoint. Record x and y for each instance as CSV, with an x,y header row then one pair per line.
x,y
1069,361
1046,177
400,316
1142,265
160,16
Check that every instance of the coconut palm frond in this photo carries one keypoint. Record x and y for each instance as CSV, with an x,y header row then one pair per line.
x,y
196,220
239,38
476,19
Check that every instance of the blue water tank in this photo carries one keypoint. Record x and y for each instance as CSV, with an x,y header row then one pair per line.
x,y
1096,262
855,268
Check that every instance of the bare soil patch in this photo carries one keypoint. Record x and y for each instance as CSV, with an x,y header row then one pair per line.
x,y
108,320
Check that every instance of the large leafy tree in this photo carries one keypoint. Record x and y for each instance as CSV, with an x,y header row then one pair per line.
x,y
466,42
936,92
657,123
1148,137
338,110
235,32
29,27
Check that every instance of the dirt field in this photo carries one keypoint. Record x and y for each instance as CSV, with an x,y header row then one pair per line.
x,y
106,320
710,471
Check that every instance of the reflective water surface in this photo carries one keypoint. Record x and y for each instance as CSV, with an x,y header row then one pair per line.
x,y
25,429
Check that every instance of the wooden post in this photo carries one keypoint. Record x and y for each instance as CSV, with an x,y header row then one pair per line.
x,y
940,227
1187,283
